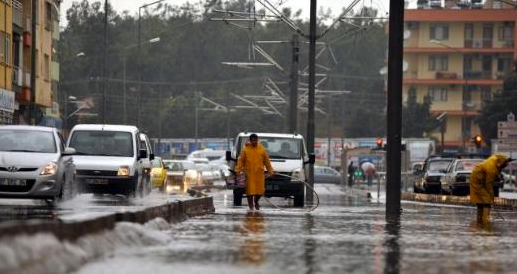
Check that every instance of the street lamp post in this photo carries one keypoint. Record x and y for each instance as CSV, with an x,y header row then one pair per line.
x,y
124,63
139,57
464,104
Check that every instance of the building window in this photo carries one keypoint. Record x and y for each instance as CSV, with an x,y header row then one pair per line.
x,y
48,15
438,62
505,33
46,68
5,48
437,94
486,93
504,64
439,32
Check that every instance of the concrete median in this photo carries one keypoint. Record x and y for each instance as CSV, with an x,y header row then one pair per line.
x,y
456,200
71,230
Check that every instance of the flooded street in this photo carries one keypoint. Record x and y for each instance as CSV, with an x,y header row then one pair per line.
x,y
346,234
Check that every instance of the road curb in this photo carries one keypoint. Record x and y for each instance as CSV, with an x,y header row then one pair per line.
x,y
71,230
455,200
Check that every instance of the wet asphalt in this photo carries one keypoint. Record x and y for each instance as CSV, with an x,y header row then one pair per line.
x,y
347,233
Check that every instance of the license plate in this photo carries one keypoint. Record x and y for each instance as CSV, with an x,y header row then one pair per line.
x,y
13,182
97,181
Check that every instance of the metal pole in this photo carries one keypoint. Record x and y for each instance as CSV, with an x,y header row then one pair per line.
x,y
228,119
105,63
32,106
394,117
293,98
124,94
312,87
139,96
196,117
329,129
160,90
442,133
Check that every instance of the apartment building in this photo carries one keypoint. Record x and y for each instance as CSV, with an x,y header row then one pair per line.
x,y
458,54
7,103
16,26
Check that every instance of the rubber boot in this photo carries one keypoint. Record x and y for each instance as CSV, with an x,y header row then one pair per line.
x,y
486,215
479,215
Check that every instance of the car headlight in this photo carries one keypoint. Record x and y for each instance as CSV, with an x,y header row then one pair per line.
x,y
299,174
49,169
123,171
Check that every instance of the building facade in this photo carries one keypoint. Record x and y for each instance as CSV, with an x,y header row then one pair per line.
x,y
17,26
7,103
458,55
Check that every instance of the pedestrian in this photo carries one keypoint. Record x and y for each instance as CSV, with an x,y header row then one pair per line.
x,y
351,170
482,182
253,160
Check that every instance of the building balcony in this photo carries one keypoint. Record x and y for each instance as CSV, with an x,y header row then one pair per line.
x,y
17,76
483,43
446,75
17,13
26,79
459,81
482,74
456,50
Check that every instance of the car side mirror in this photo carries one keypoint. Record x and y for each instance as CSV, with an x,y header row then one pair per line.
x,y
312,159
142,154
229,156
151,156
68,151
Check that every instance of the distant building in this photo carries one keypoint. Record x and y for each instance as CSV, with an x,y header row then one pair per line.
x,y
15,67
458,55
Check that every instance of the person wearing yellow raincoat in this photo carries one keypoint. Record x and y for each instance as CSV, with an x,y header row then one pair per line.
x,y
482,182
252,161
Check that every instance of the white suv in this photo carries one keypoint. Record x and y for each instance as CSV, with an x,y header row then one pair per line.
x,y
112,159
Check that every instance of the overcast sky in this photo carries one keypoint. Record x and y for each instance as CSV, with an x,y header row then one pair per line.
x,y
335,5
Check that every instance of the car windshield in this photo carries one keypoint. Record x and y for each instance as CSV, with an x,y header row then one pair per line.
x,y
27,141
279,148
102,143
203,167
467,165
438,165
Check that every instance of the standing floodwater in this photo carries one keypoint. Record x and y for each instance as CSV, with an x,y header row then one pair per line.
x,y
346,234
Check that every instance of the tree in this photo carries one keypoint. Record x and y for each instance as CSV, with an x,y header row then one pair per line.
x,y
416,117
499,107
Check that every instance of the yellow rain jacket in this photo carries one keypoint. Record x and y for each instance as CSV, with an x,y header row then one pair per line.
x,y
252,161
483,178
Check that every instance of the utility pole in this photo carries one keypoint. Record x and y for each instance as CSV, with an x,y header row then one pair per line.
x,y
329,129
124,94
312,88
160,90
394,146
228,121
32,106
293,98
105,62
196,117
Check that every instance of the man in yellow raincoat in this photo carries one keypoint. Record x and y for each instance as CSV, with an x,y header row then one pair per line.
x,y
252,161
482,182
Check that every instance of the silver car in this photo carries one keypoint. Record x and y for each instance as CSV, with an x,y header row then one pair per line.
x,y
34,163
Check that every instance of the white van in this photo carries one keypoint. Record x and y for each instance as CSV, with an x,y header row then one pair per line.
x,y
112,159
288,156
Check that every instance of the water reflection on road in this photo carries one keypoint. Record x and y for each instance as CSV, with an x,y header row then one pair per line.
x,y
346,234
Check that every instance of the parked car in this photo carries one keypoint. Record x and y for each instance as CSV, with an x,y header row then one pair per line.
x,y
196,161
35,164
158,173
327,175
112,159
181,175
429,176
456,180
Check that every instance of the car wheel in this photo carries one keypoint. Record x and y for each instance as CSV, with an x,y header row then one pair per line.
x,y
299,201
132,188
237,196
66,192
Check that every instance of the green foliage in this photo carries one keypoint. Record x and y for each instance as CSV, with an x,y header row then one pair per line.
x,y
188,58
416,117
499,107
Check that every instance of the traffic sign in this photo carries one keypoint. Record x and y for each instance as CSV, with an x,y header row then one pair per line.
x,y
506,147
507,124
507,133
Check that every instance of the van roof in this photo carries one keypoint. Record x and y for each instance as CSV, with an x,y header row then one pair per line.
x,y
106,127
26,127
278,135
